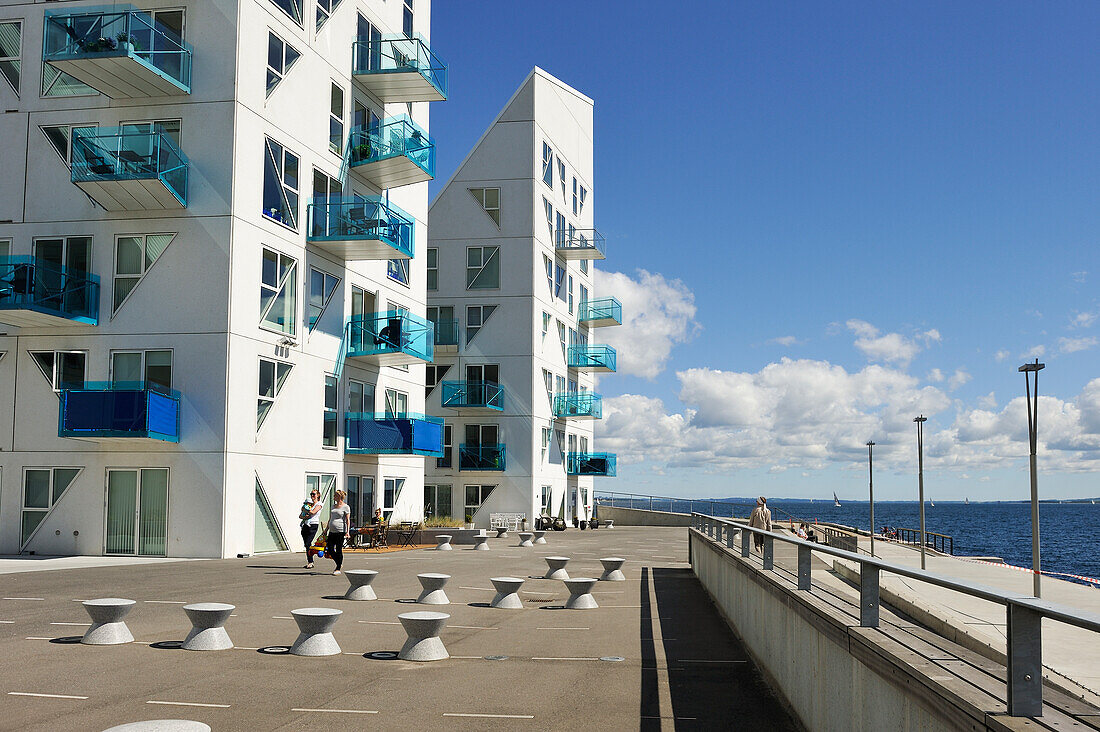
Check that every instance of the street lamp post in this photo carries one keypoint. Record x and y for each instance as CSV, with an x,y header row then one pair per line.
x,y
1032,433
920,479
871,490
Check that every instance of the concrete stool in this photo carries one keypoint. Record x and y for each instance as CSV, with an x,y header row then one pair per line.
x,y
502,532
444,544
613,569
525,538
556,568
609,523
433,593
580,593
481,543
540,537
423,643
208,626
507,597
107,627
162,725
360,588
315,636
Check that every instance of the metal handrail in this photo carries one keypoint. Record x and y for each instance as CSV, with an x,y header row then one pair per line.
x,y
1024,613
941,543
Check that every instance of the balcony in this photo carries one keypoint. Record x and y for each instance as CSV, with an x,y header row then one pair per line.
x,y
35,293
472,395
355,230
580,244
124,410
590,463
399,69
394,152
390,339
481,458
600,312
124,54
128,170
598,358
577,405
446,335
386,434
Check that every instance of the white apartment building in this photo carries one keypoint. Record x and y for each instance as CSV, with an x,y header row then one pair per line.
x,y
510,266
213,219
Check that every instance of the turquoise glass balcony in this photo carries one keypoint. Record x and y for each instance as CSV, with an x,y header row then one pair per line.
x,y
483,458
394,152
472,395
598,358
366,229
399,69
124,54
590,463
125,169
600,312
577,405
124,410
446,335
35,293
390,339
580,244
378,433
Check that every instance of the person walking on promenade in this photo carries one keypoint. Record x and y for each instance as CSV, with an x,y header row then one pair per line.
x,y
311,521
760,518
338,519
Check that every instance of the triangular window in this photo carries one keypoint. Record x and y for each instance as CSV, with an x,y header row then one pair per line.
x,y
476,315
267,536
11,33
433,374
134,256
278,290
321,287
489,198
280,57
273,375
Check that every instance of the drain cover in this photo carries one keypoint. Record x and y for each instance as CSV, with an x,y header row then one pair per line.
x,y
612,658
275,649
382,655
496,658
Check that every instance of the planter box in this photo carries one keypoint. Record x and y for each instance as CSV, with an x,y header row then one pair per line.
x,y
458,535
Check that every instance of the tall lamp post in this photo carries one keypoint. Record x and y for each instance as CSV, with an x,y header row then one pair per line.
x,y
920,479
1032,432
871,490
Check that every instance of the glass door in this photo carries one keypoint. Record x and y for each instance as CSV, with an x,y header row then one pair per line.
x,y
361,499
74,254
478,376
137,512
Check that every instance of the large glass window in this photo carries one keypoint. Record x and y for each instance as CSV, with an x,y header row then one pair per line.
x,y
482,268
476,315
134,255
360,499
570,294
489,198
137,512
336,120
561,177
60,138
322,285
397,403
73,253
324,11
475,496
11,66
575,195
548,382
273,375
559,281
390,494
5,247
432,277
360,396
559,229
325,484
437,501
280,184
407,19
328,431
56,83
445,461
549,264
549,208
63,369
548,166
398,271
42,488
278,292
154,367
293,8
280,57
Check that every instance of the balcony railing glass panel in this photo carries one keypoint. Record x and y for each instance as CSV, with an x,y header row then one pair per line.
x,y
580,244
576,404
591,463
400,69
35,292
126,409
481,457
355,223
473,394
601,311
391,337
122,155
379,433
393,152
591,358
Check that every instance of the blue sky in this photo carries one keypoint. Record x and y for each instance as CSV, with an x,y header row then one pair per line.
x,y
900,199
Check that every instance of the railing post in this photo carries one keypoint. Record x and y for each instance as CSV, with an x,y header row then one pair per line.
x,y
803,567
745,541
1025,661
868,596
730,532
768,552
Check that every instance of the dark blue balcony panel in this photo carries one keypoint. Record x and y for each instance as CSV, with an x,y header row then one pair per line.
x,y
363,229
129,168
446,335
598,358
120,52
600,312
580,244
472,395
377,433
481,458
390,339
124,410
35,293
577,405
391,153
399,69
591,463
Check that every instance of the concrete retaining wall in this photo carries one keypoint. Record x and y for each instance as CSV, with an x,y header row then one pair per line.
x,y
640,517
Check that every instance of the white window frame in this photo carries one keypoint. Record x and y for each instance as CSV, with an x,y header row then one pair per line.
x,y
52,501
144,362
324,300
280,171
301,8
336,121
137,506
431,264
397,403
279,286
277,387
53,378
331,388
398,485
481,195
548,165
146,265
485,255
279,73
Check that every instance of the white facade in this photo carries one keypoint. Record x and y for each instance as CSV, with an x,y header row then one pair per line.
x,y
201,297
497,257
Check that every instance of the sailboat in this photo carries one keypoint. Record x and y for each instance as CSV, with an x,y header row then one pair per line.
x,y
931,503
836,501
967,501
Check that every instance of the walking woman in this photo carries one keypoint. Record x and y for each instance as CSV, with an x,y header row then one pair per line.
x,y
338,530
311,520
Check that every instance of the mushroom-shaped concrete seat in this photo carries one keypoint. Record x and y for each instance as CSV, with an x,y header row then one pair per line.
x,y
444,544
502,532
433,593
613,569
609,523
360,581
481,543
507,597
423,643
540,537
315,631
107,628
580,593
525,538
556,568
208,626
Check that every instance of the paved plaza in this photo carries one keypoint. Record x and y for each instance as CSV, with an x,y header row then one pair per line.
x,y
655,654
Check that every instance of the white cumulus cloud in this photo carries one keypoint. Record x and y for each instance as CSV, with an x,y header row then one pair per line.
x,y
1084,320
1034,352
960,377
1073,345
888,347
1001,355
935,375
784,340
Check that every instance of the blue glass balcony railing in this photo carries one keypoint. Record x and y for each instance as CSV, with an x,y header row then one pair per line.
x,y
481,457
580,244
129,160
446,332
399,69
390,338
122,53
591,358
601,311
472,394
391,153
378,433
363,229
578,404
121,409
35,292
590,463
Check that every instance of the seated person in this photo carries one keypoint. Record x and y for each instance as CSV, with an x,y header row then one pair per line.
x,y
810,535
802,530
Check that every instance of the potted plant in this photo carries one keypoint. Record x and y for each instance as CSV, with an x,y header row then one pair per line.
x,y
469,521
101,45
126,42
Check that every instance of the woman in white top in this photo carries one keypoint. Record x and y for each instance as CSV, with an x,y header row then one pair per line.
x,y
311,520
338,530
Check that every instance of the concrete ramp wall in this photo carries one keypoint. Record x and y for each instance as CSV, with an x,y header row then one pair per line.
x,y
641,517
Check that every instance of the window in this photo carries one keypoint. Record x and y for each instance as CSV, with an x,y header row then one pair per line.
x,y
546,493
437,501
546,433
572,386
475,496
278,292
549,273
293,8
398,271
584,194
63,369
336,120
489,198
407,19
548,166
324,11
549,207
561,337
572,337
583,445
545,323
137,512
570,294
134,255
559,281
432,277
328,428
172,127
560,228
360,499
561,176
11,34
445,461
476,315
323,484
559,384
42,488
482,268
584,296
56,83
548,381
574,195
326,190
584,266
73,253
5,247
391,494
272,378
572,443
280,57
153,367
397,403
321,287
280,185
360,397
60,138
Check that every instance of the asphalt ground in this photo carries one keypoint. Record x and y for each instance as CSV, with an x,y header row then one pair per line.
x,y
654,655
